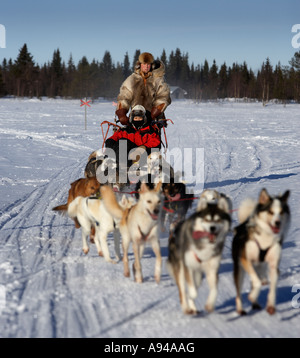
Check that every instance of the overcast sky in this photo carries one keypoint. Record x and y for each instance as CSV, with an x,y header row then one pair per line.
x,y
227,31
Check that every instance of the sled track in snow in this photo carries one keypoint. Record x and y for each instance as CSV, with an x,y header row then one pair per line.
x,y
34,240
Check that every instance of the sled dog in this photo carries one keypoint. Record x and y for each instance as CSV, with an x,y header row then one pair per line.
x,y
177,202
94,161
158,167
139,225
257,245
212,196
195,247
81,187
90,212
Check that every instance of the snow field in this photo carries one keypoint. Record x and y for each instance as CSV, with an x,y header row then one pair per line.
x,y
53,290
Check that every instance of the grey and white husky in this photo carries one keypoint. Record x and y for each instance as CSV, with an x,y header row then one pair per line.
x,y
195,248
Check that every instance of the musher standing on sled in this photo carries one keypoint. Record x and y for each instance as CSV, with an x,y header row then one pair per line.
x,y
146,86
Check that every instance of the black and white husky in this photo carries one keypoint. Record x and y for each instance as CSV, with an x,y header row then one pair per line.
x,y
257,245
195,247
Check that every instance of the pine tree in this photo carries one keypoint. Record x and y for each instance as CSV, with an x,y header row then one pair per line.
x,y
126,66
204,79
135,59
2,87
223,78
266,74
106,72
213,81
57,72
163,59
25,73
295,75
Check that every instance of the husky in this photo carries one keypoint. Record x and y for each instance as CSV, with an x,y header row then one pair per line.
x,y
139,225
212,196
158,167
90,212
195,247
176,204
257,245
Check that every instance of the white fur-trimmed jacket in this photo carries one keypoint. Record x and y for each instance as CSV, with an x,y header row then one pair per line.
x,y
149,90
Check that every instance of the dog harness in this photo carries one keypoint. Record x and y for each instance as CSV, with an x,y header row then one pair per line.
x,y
262,253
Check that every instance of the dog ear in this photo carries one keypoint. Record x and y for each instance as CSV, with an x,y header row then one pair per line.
x,y
202,204
223,204
144,188
264,197
285,196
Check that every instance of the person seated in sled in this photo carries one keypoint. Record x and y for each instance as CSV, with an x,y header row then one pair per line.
x,y
146,86
138,137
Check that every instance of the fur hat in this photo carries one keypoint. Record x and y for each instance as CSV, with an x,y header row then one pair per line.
x,y
146,57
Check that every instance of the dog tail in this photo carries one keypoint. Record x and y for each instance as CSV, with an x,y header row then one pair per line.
x,y
73,208
61,208
246,210
110,202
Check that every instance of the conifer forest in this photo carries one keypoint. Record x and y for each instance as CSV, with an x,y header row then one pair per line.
x,y
23,77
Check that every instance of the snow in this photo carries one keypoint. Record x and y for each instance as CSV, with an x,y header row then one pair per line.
x,y
49,288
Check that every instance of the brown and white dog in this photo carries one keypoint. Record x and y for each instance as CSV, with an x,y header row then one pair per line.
x,y
91,213
81,187
138,225
257,245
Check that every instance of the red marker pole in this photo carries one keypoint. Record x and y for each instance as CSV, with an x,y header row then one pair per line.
x,y
85,103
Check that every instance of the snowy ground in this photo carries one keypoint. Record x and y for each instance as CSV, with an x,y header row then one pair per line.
x,y
49,288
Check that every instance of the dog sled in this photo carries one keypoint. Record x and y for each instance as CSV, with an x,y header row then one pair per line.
x,y
99,164
152,169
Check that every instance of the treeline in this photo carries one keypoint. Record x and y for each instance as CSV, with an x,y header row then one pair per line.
x,y
24,78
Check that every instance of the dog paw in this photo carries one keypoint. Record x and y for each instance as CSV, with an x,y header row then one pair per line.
x,y
190,311
112,261
139,279
126,273
157,279
85,250
271,310
209,308
256,306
